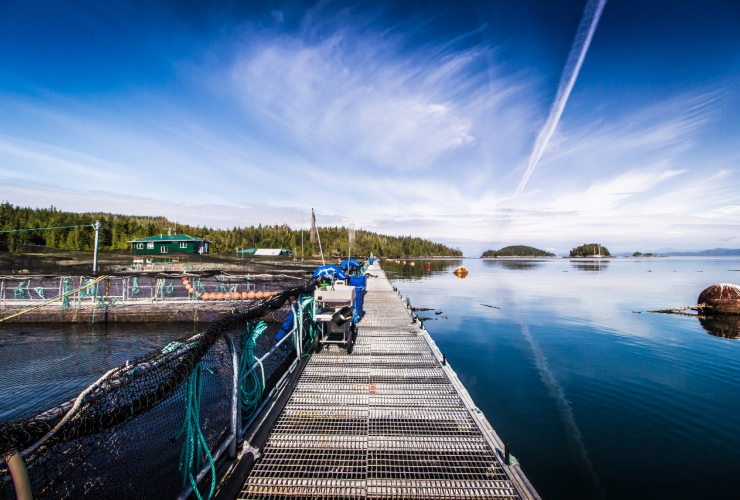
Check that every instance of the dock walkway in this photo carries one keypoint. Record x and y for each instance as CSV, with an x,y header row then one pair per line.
x,y
388,421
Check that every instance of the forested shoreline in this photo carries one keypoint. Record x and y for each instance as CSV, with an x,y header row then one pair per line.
x,y
117,230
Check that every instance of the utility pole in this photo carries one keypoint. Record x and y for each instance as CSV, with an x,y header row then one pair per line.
x,y
95,255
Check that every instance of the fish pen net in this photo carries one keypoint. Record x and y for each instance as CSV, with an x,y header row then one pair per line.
x,y
133,416
155,297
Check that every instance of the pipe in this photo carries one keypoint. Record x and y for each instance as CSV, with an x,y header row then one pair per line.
x,y
235,394
20,477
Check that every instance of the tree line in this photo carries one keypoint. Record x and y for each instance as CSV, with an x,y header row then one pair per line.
x,y
117,230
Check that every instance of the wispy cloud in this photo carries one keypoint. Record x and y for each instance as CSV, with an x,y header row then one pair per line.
x,y
385,131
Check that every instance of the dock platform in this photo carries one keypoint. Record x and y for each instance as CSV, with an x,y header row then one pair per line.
x,y
390,420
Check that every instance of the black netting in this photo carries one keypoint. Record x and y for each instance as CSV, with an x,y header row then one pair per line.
x,y
125,436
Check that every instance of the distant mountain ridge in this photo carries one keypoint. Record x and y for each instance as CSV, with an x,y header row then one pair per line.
x,y
715,252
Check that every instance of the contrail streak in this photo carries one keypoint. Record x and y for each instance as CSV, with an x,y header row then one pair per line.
x,y
566,411
585,33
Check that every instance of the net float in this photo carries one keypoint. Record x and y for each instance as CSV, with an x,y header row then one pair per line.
x,y
722,298
251,295
259,295
428,266
245,295
236,295
220,296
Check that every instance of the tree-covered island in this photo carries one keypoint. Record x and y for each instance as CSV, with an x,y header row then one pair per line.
x,y
590,250
517,251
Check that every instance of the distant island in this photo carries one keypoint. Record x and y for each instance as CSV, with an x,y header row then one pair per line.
x,y
590,250
640,254
517,251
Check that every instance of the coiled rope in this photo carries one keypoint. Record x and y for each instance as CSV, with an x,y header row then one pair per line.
x,y
251,389
194,447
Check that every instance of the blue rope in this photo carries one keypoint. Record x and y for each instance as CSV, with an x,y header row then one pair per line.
x,y
250,388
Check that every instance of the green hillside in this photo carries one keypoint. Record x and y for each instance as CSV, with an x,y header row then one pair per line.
x,y
117,230
517,251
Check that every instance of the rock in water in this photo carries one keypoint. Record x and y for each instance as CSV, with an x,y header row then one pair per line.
x,y
722,298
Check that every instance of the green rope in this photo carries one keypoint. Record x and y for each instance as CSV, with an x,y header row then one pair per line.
x,y
89,291
195,450
39,290
135,287
170,288
66,288
305,303
250,388
18,292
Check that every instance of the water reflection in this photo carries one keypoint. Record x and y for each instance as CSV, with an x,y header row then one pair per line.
x,y
396,268
513,264
590,266
727,327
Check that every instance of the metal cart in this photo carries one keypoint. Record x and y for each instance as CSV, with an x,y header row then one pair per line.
x,y
335,314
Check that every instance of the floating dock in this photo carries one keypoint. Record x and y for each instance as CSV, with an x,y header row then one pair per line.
x,y
390,420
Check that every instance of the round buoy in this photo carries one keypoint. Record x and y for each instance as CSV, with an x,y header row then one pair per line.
x,y
722,298
461,272
245,295
236,295
199,295
220,296
252,295
259,295
428,266
412,264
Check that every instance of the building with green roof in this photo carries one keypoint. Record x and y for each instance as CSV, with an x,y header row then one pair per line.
x,y
169,244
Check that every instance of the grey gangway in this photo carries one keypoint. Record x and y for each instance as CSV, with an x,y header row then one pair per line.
x,y
390,420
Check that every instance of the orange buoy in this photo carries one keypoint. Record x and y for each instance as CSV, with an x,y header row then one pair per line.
x,y
251,295
259,295
199,295
245,295
461,272
412,264
184,278
236,295
220,296
428,266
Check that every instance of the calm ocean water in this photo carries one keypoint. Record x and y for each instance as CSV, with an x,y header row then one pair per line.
x,y
596,400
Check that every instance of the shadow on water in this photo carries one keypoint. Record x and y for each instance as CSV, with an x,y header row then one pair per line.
x,y
593,266
727,327
421,268
514,264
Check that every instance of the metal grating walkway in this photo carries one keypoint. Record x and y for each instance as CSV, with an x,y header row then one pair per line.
x,y
387,421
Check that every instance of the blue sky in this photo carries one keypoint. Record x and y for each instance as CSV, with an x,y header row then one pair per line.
x,y
402,117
